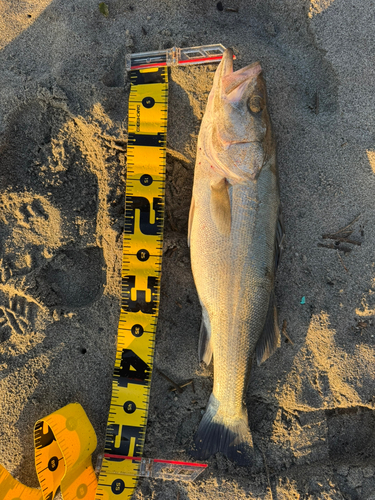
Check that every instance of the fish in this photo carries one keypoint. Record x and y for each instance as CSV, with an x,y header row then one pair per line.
x,y
235,235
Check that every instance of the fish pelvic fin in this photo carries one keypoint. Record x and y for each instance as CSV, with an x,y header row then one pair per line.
x,y
205,345
218,434
220,206
269,341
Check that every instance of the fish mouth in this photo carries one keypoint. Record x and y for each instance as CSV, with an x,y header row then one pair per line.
x,y
234,82
227,63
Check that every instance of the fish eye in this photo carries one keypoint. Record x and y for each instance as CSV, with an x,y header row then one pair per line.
x,y
256,103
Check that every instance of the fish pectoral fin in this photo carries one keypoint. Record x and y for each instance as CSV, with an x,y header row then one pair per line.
x,y
220,206
205,349
269,341
191,216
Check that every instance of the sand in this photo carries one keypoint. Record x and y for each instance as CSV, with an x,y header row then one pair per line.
x,y
63,133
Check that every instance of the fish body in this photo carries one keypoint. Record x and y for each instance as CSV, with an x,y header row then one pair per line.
x,y
234,236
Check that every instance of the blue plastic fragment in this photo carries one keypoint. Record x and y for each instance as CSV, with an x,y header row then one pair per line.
x,y
303,300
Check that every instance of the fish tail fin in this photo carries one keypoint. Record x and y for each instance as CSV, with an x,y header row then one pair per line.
x,y
231,437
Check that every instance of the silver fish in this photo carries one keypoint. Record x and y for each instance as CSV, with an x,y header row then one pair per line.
x,y
235,232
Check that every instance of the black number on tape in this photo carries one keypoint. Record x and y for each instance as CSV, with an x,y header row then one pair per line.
x,y
140,304
148,102
155,140
42,440
118,486
143,255
134,203
53,463
146,180
137,330
129,407
133,369
127,432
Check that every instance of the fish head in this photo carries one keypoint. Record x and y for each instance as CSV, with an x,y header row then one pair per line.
x,y
238,132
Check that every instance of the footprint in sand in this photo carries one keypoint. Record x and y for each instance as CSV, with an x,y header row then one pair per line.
x,y
38,272
60,203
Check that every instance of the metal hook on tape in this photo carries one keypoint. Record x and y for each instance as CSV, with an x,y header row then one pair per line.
x,y
203,54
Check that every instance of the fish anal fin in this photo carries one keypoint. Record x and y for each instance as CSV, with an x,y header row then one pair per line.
x,y
269,341
205,345
220,206
191,216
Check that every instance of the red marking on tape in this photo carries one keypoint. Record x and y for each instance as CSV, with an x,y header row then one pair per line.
x,y
108,455
187,61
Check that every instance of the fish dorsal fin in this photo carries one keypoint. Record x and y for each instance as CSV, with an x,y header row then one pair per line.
x,y
269,341
191,216
220,206
205,348
270,338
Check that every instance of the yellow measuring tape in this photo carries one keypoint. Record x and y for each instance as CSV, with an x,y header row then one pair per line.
x,y
65,440
141,271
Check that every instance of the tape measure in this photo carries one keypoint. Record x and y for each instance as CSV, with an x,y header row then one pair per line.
x,y
65,440
141,271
